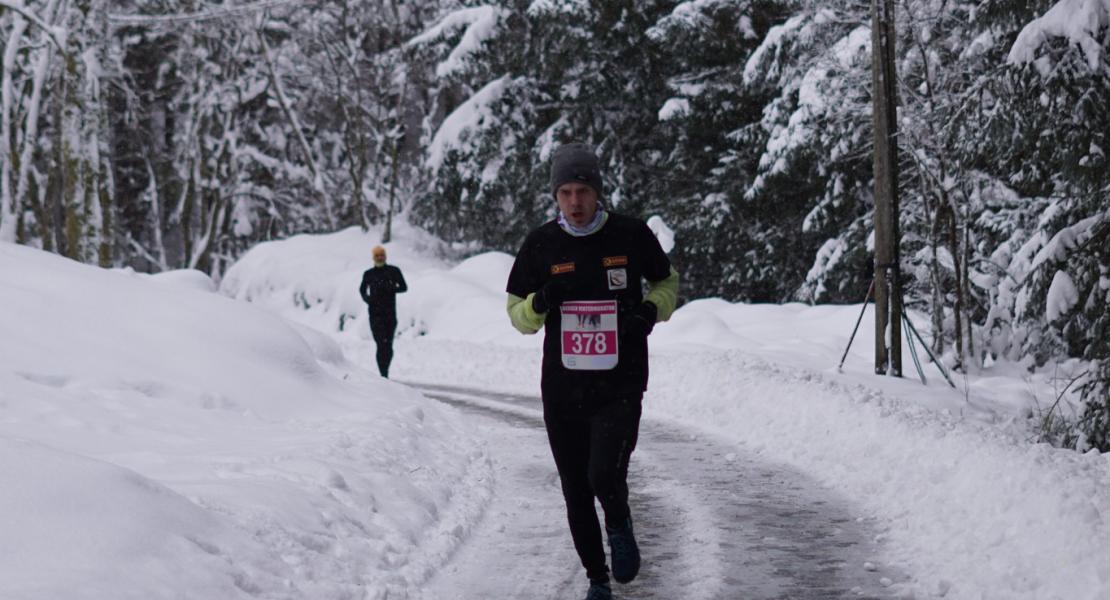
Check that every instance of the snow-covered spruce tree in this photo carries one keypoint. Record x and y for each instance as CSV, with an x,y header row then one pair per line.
x,y
812,187
480,134
1051,135
707,147
525,76
656,87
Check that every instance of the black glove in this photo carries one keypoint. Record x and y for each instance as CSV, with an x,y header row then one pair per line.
x,y
550,296
640,321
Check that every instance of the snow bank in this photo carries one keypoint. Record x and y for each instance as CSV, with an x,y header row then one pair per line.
x,y
968,510
156,437
314,280
185,278
968,507
965,504
85,528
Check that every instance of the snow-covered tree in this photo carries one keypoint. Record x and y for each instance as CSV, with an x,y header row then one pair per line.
x,y
1055,299
813,171
54,175
174,133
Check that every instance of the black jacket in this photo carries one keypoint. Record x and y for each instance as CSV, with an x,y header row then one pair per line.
x,y
590,266
379,289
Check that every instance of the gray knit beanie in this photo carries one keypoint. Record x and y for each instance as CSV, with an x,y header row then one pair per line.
x,y
575,162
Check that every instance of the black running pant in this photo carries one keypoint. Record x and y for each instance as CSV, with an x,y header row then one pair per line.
x,y
383,331
591,453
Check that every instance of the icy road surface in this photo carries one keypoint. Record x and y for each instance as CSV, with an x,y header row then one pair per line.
x,y
712,523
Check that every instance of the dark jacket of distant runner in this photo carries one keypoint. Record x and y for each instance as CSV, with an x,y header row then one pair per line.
x,y
379,289
607,265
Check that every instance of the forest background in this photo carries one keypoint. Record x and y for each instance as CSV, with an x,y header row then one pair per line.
x,y
166,134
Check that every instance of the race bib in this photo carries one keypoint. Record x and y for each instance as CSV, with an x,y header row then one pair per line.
x,y
589,334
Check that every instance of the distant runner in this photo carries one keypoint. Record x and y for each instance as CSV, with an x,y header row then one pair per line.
x,y
579,276
379,289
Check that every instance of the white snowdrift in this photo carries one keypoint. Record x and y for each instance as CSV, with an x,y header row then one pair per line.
x,y
314,280
969,507
162,441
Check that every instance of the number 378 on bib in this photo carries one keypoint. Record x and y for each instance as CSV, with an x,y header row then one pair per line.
x,y
589,329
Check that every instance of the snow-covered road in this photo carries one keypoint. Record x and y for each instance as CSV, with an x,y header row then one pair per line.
x,y
158,437
964,503
713,523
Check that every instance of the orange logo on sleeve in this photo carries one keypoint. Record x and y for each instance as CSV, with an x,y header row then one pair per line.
x,y
562,268
614,261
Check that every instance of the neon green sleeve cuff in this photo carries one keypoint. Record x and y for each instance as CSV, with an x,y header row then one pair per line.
x,y
524,318
664,295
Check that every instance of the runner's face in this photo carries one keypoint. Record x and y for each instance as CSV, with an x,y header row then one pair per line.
x,y
379,257
577,202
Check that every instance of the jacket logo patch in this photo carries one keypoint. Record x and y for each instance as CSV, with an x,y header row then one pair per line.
x,y
618,279
614,261
562,268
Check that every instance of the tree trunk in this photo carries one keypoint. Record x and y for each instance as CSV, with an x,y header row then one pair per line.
x,y
388,234
56,188
9,206
957,272
966,262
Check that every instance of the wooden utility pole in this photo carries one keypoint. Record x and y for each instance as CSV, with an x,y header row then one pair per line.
x,y
888,286
387,235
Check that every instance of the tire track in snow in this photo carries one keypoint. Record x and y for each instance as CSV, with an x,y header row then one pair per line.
x,y
713,522
521,548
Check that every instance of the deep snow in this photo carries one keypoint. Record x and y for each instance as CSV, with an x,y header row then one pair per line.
x,y
162,441
158,437
969,505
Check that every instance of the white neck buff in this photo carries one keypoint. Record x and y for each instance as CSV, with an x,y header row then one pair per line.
x,y
599,219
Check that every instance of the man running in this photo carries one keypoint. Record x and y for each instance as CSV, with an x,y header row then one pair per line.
x,y
579,277
379,289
